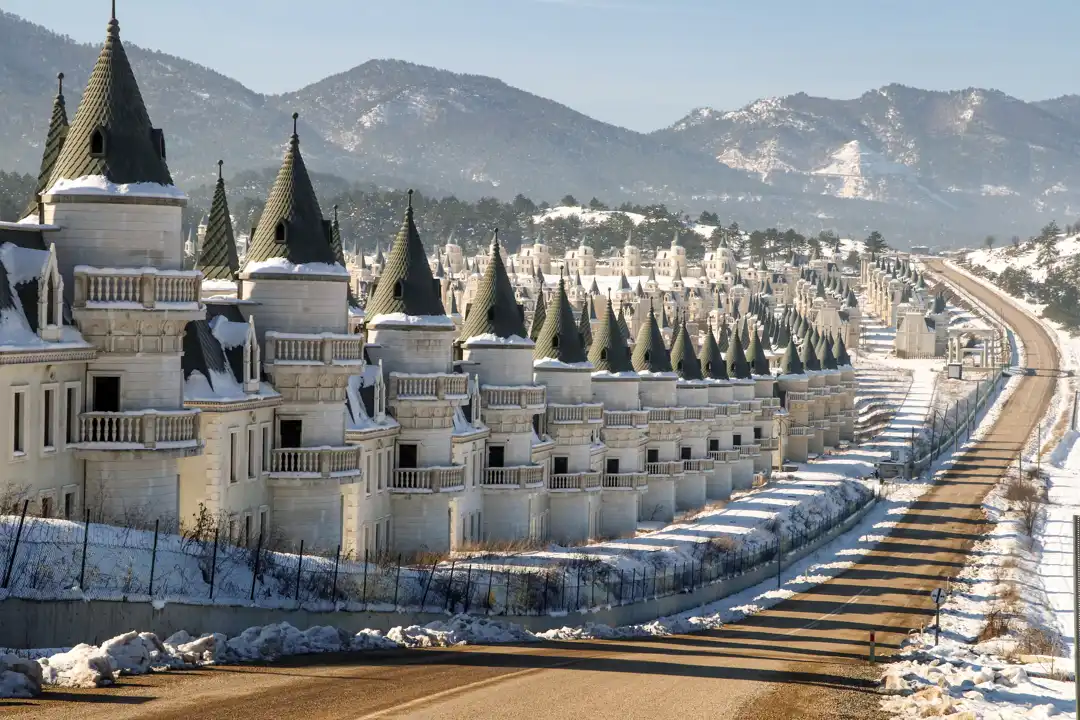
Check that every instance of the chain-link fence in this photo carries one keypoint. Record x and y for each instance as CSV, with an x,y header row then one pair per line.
x,y
53,559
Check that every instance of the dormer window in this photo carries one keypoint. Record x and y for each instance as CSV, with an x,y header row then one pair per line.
x,y
398,290
646,356
97,142
157,138
279,232
603,353
491,314
555,342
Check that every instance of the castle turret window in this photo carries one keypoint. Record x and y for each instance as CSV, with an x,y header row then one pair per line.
x,y
97,143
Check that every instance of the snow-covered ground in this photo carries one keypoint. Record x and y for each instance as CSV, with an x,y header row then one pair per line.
x,y
1025,256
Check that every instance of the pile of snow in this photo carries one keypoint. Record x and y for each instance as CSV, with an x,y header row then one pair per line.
x,y
460,630
282,266
100,185
19,677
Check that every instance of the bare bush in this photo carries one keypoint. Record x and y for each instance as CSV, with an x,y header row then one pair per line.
x,y
999,622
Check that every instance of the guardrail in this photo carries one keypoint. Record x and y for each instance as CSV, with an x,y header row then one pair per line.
x,y
428,480
575,481
510,397
147,287
626,481
522,476
320,349
669,467
588,412
316,462
724,455
138,429
439,386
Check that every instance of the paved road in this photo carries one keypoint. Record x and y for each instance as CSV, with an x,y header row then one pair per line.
x,y
802,659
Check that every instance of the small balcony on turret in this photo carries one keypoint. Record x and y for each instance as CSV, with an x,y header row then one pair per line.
x,y
525,397
162,433
629,481
433,387
575,414
302,466
575,482
285,350
428,481
521,477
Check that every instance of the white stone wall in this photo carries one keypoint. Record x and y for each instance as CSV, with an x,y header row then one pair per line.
x,y
501,364
566,386
617,393
422,522
658,391
619,513
147,382
131,234
412,349
133,490
575,516
323,423
310,511
298,304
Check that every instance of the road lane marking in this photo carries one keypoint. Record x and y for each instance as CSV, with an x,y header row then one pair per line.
x,y
826,617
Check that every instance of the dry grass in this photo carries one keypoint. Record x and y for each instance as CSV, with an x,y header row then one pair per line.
x,y
999,622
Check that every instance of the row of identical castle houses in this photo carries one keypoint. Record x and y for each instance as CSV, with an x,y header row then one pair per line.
x,y
456,407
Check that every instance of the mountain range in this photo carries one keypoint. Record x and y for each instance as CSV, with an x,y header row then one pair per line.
x,y
942,167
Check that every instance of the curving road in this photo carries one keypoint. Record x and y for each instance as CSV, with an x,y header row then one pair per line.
x,y
805,658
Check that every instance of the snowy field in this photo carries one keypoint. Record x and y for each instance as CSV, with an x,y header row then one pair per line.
x,y
1024,257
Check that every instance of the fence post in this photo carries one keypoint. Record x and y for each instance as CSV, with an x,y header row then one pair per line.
x,y
153,558
956,425
15,547
491,577
547,582
779,557
562,591
363,592
509,579
333,585
255,572
933,437
528,590
450,585
423,598
213,564
397,580
82,566
299,567
468,588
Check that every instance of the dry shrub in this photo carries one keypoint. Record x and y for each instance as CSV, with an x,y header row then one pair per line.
x,y
1027,495
1036,641
998,624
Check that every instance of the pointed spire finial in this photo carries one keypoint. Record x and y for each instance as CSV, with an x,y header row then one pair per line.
x,y
113,16
60,83
410,198
219,164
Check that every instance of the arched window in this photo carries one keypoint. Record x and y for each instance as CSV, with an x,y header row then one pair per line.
x,y
491,314
603,353
51,304
97,142
646,356
279,232
397,290
678,366
555,342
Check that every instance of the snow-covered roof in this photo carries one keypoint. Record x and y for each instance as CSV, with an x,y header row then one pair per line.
x,y
100,185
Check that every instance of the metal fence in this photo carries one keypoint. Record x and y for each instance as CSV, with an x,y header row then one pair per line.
x,y
51,559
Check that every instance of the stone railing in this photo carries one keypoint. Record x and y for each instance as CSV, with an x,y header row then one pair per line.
x,y
512,397
575,481
773,402
769,443
698,465
436,386
749,450
767,412
800,431
521,476
728,409
850,384
626,418
820,423
315,462
320,349
139,429
724,455
795,396
584,413
626,481
669,467
145,287
428,480
700,413
667,415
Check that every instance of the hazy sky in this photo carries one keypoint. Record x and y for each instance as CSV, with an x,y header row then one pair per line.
x,y
638,63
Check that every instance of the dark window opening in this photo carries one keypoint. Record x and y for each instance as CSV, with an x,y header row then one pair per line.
x,y
279,232
652,455
678,366
714,446
536,425
47,434
491,314
684,453
292,433
69,505
157,137
603,353
50,304
46,507
97,142
496,456
555,342
72,415
757,433
247,530
613,466
397,290
646,356
107,393
736,440
560,465
408,455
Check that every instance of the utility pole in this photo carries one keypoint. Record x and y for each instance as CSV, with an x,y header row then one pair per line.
x,y
1076,598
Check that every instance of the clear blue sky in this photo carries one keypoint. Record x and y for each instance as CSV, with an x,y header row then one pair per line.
x,y
638,63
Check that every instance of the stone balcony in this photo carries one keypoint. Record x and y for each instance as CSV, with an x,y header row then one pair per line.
x,y
429,480
770,443
724,456
751,407
575,414
626,418
291,466
849,384
667,415
428,387
626,481
698,465
800,431
706,413
795,396
575,482
513,398
136,289
819,423
173,433
322,349
731,409
669,468
524,477
749,450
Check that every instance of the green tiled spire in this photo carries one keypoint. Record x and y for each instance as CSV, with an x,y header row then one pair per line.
x,y
683,358
737,366
791,364
217,256
851,300
494,309
745,332
650,354
539,315
711,361
828,360
585,325
111,135
406,284
292,225
840,351
559,337
725,337
809,355
783,335
623,327
609,350
758,362
54,143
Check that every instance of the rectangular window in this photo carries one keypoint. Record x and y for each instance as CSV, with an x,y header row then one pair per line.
x,y
561,465
378,539
496,455
379,471
265,447
48,420
367,473
684,453
232,530
292,433
652,455
106,393
252,456
69,505
612,466
18,421
46,507
714,445
247,530
736,439
757,433
407,455
71,413
234,441
264,521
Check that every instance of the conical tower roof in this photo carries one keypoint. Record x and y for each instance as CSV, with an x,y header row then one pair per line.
x,y
624,328
683,358
744,334
756,352
609,351
217,256
111,135
494,309
809,355
783,335
406,285
336,245
559,338
624,284
851,299
594,289
828,360
585,326
650,354
380,259
677,277
737,366
791,364
539,316
292,225
711,361
54,143
840,351
725,337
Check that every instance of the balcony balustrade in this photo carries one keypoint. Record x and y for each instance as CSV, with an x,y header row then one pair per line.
x,y
139,430
584,413
726,456
428,480
521,476
146,288
569,482
315,349
315,462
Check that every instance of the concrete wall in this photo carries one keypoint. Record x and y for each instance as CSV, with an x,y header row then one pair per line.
x,y
34,623
125,233
298,303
